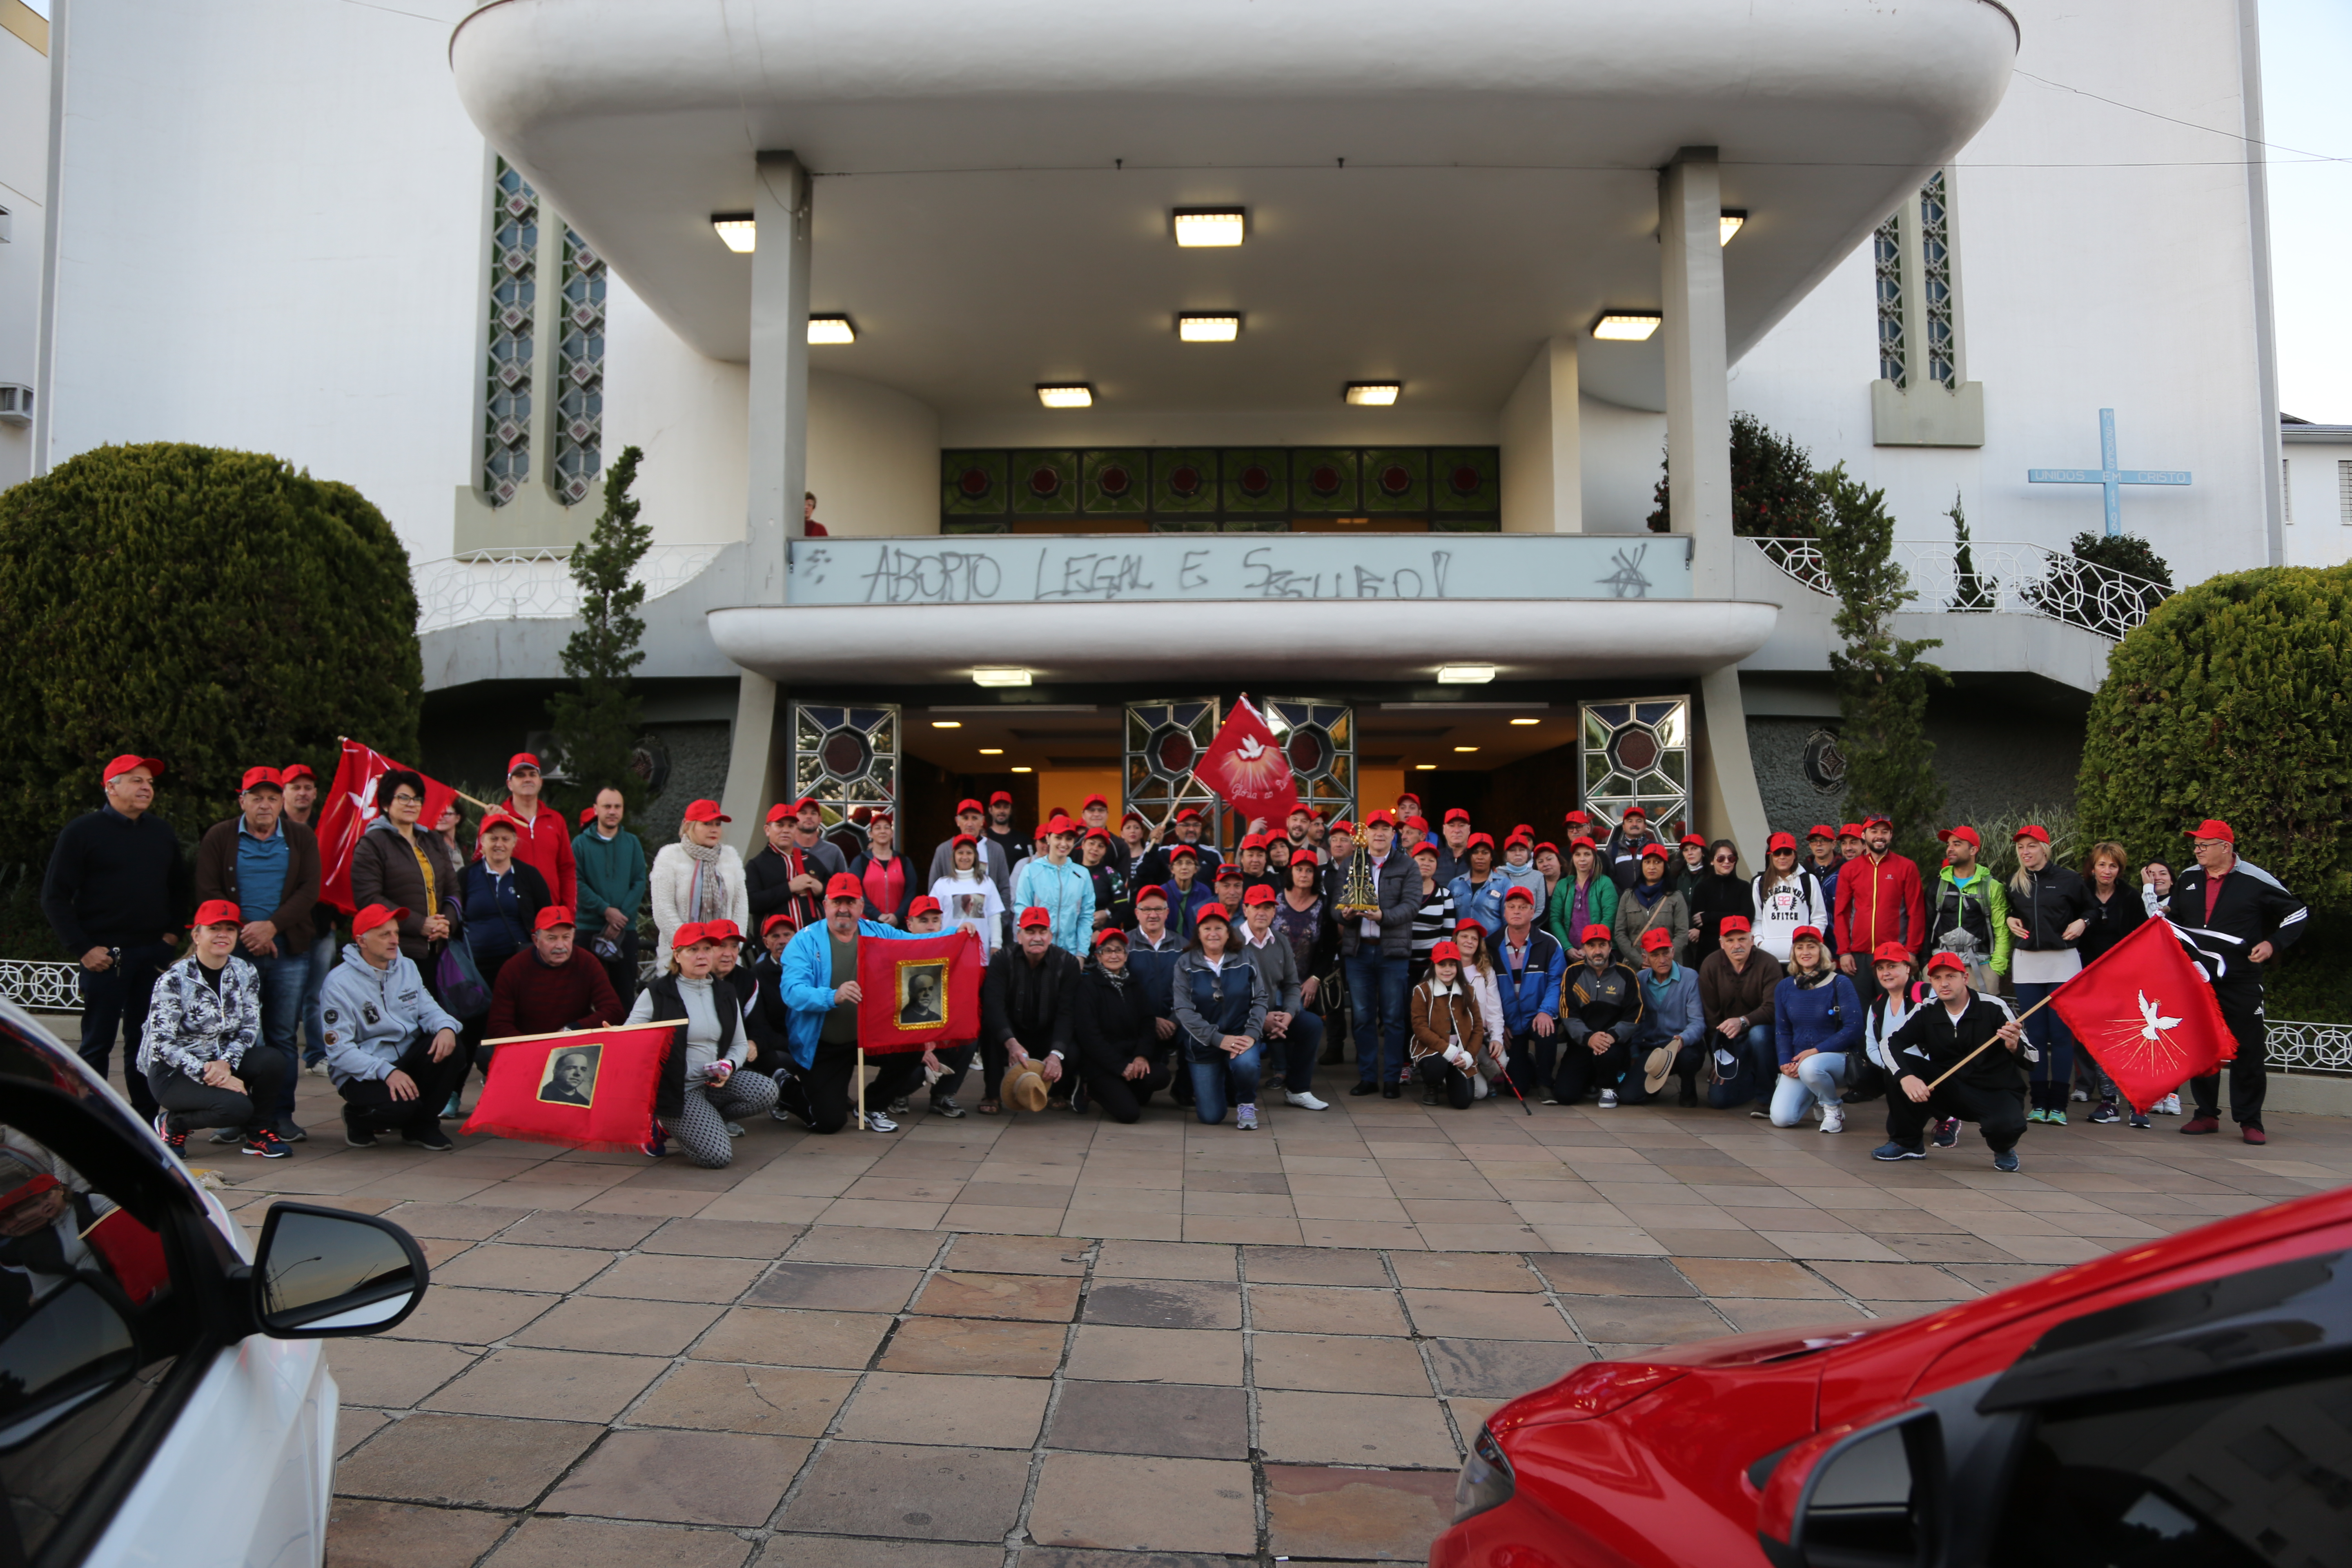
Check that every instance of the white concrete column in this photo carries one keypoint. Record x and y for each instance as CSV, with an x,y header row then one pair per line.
x,y
1543,465
1698,398
778,437
755,764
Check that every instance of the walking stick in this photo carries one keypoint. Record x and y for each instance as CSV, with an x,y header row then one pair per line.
x,y
859,1084
1515,1090
1981,1049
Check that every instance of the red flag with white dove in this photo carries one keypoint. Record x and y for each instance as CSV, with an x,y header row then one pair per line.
x,y
350,806
1246,766
2146,1013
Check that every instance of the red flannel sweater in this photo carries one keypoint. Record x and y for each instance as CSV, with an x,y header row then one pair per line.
x,y
532,997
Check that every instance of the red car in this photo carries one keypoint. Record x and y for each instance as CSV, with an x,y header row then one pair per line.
x,y
2184,1404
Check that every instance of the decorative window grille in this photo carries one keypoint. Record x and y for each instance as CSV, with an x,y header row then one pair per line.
x,y
579,372
2287,489
514,299
1886,267
1936,279
2344,491
1638,753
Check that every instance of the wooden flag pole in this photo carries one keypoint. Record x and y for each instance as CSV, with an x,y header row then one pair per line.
x,y
1981,1049
859,1085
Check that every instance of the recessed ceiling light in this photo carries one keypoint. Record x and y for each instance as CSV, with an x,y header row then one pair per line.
x,y
1207,329
1373,393
1019,769
992,750
832,328
1527,720
1465,674
740,230
1066,394
1626,326
1733,220
1424,767
1465,748
1210,225
957,723
999,675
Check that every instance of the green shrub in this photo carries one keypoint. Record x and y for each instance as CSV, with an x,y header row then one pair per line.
x,y
216,609
1775,494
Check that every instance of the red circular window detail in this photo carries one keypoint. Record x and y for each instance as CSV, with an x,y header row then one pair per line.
x,y
1115,480
974,482
844,753
1396,478
1186,480
1307,750
1176,752
1044,481
1255,481
1323,478
1464,479
1635,750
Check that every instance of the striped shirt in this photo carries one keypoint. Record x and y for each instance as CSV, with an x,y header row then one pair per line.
x,y
1432,923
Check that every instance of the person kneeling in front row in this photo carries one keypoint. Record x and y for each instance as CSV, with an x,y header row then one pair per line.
x,y
198,1048
1936,1038
391,1050
1120,1054
1447,1030
701,1090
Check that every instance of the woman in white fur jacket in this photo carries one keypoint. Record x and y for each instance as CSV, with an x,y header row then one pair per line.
x,y
698,879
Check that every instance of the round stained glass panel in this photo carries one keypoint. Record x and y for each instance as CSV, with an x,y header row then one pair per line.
x,y
1464,480
1323,478
845,753
1186,480
1308,752
1115,480
974,482
1256,480
1395,479
1044,481
1635,750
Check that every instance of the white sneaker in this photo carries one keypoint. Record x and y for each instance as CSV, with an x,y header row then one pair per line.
x,y
1607,1100
1245,1118
2168,1106
876,1122
2082,1094
1833,1118
1305,1099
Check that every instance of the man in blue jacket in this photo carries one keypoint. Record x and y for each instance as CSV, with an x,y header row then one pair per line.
x,y
818,982
391,1050
1673,1023
1529,965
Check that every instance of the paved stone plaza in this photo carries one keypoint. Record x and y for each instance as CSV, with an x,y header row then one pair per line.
x,y
1049,1340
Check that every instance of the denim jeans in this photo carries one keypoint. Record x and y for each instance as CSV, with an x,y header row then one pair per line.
x,y
115,999
1299,1048
322,958
1762,1064
1821,1078
1379,1029
282,980
1209,1083
2053,1078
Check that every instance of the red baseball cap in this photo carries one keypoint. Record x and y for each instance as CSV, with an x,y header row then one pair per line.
x,y
1850,830
1212,912
1304,856
1779,841
1252,841
1183,852
1425,848
1387,817
968,804
1947,960
1633,811
1870,822
1732,924
1524,895
1110,933
842,885
1036,915
1804,933
1653,941
1145,894
1059,825
1408,795
962,839
1593,933
520,761
924,904
722,929
2213,827
374,915
1445,952
1478,838
1230,871
217,913
688,934
1648,851
299,769
1186,814
806,803
1521,836
552,916
1689,838
1820,830
501,819
1467,924
124,763
781,919
1344,826
587,814
1945,836
1458,815
2032,830
1102,833
1134,813
1102,801
1004,795
1580,842
706,811
270,776
1576,819
779,812
1892,953
1420,824
1261,894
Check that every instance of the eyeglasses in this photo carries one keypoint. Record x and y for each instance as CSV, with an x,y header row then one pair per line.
x,y
402,797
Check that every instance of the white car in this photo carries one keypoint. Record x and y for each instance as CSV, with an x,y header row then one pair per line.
x,y
163,1395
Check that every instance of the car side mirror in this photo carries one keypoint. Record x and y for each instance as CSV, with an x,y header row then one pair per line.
x,y
1858,1497
325,1273
68,1351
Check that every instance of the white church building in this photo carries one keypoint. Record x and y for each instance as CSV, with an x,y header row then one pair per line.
x,y
1143,356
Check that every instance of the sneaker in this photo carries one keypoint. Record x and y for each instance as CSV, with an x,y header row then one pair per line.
x,y
1833,1118
177,1142
2005,1160
946,1108
288,1131
1305,1099
1760,1114
2196,1126
1549,1100
266,1144
899,1106
734,1129
1897,1152
1607,1100
453,1111
317,1068
2082,1094
432,1139
2139,1121
226,1135
1246,1117
656,1143
2037,1114
356,1136
880,1121
1391,1091
1429,1096
1948,1135
2055,1118
2253,1135
1363,1089
2168,1106
2106,1114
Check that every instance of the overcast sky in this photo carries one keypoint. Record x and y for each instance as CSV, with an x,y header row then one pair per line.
x,y
2307,103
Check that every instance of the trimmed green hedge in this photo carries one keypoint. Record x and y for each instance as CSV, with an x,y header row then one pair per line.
x,y
216,609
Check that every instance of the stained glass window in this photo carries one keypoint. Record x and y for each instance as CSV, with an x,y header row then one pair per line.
x,y
1886,271
514,300
847,760
1638,752
1319,739
579,372
1163,741
1935,280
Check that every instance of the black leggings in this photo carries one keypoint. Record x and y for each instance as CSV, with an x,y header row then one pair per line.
x,y
1441,1075
193,1104
368,1105
1123,1098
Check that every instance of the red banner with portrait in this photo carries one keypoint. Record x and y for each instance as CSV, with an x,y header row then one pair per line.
x,y
918,993
584,1088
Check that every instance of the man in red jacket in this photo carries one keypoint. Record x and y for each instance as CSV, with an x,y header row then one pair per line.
x,y
545,842
1879,900
557,987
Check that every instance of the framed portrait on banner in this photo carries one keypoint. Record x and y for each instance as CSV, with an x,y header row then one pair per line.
x,y
921,992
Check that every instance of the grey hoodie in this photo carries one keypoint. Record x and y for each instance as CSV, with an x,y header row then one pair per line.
x,y
372,1015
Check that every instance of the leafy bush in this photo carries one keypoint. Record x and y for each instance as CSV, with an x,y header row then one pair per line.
x,y
216,609
1775,494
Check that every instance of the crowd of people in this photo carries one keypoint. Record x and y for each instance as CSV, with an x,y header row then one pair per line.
x,y
1124,963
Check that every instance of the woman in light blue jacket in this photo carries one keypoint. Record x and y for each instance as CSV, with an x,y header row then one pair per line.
x,y
1061,887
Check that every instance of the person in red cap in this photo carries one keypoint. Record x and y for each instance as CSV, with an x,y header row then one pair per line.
x,y
1822,859
1412,830
1717,892
1375,953
1477,890
1055,883
1028,1003
1620,851
2049,909
1448,1030
817,979
1182,829
260,862
1529,966
201,1052
1601,1003
967,894
1785,895
501,896
1879,900
1434,912
1291,1030
1221,1006
699,878
392,1049
1650,904
888,875
1101,857
789,872
2239,921
1585,895
1816,1031
1256,857
1672,1040
114,892
999,831
988,859
1735,990
1988,1089
703,1085
1094,813
558,985
1187,891
1453,845
543,837
1969,913
1121,1055
1692,864
1519,870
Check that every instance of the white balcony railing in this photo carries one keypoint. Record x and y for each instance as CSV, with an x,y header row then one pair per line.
x,y
2007,579
532,584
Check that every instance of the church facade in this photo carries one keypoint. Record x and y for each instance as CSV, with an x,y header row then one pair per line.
x,y
1350,357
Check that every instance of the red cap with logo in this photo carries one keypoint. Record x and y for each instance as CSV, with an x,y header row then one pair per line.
x,y
1781,841
722,929
257,777
1946,836
552,916
1230,871
1456,814
923,904
1891,952
1475,839
1657,940
1037,915
1805,933
1418,824
2213,827
773,922
374,915
1947,960
1633,811
1344,826
842,885
1522,895
499,819
2032,830
1261,894
1110,933
1580,842
521,761
299,771
964,805
1425,848
1654,852
1003,796
1102,801
217,913
1690,839
124,763
1820,830
1850,830
1730,924
1593,933
1380,818
1870,822
1445,952
706,811
1183,852
1150,894
688,934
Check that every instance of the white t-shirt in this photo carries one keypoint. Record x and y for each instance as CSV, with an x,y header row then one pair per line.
x,y
969,902
2043,968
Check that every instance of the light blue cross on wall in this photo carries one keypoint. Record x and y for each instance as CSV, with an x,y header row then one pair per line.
x,y
2106,475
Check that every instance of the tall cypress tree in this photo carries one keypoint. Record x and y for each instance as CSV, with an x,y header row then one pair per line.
x,y
1882,682
596,726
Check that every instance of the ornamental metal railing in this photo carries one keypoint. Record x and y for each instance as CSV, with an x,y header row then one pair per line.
x,y
533,584
2295,1046
2003,579
41,985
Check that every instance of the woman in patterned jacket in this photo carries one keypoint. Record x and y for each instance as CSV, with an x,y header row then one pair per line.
x,y
199,1049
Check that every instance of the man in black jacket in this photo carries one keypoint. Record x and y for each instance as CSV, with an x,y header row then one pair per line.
x,y
1028,1003
1600,1002
2239,922
116,894
789,875
1944,1034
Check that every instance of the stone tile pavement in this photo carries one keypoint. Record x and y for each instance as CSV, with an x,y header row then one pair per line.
x,y
1054,1342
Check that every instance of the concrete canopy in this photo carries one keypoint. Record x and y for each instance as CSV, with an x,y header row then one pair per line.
x,y
972,214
